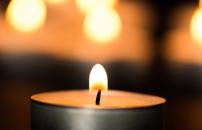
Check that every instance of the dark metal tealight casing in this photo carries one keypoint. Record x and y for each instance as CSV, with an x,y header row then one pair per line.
x,y
51,117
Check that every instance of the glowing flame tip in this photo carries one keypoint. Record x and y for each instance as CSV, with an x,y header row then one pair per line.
x,y
98,78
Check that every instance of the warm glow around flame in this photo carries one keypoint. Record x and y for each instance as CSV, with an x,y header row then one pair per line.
x,y
102,25
88,5
26,15
98,78
196,26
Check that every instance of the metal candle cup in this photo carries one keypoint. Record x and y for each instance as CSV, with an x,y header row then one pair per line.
x,y
76,110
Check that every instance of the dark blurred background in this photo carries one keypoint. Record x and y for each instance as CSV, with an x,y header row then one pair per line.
x,y
159,66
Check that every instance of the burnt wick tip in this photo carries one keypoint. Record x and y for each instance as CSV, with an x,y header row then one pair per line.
x,y
97,101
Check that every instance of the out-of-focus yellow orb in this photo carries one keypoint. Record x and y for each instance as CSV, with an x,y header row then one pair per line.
x,y
55,2
88,5
196,26
102,25
26,15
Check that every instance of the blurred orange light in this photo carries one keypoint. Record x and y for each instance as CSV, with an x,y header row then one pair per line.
x,y
88,5
55,2
102,25
26,15
196,26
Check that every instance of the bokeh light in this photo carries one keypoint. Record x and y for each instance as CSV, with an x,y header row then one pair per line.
x,y
102,25
26,15
196,26
88,5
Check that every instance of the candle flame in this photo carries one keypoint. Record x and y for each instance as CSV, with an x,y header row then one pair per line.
x,y
102,25
98,78
196,26
26,15
88,5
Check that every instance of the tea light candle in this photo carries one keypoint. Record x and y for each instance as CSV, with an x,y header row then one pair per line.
x,y
97,109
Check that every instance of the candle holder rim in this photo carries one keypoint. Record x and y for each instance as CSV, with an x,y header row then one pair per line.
x,y
97,109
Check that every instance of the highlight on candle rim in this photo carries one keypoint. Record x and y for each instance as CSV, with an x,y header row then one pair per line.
x,y
56,2
196,26
88,5
102,25
26,15
98,78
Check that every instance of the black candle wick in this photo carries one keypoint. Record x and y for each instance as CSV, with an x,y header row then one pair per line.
x,y
97,101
